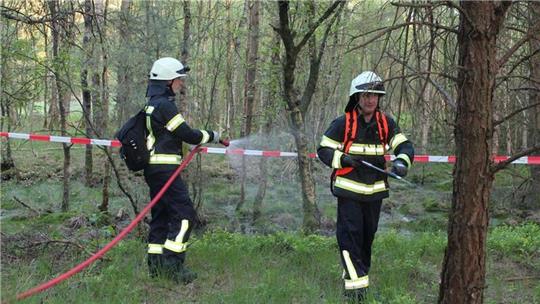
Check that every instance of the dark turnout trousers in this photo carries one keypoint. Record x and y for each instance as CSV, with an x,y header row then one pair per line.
x,y
172,218
356,226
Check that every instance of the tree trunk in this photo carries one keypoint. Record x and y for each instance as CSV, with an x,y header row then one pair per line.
x,y
297,107
7,158
45,78
252,51
86,102
124,69
60,93
186,41
532,199
267,106
229,75
103,91
464,266
7,162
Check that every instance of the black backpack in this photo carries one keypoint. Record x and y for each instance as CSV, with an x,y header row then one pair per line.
x,y
132,135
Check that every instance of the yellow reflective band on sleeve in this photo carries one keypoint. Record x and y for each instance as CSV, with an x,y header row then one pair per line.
x,y
350,185
364,149
183,229
361,282
406,158
350,267
165,159
397,140
336,160
155,248
150,139
175,246
329,143
176,121
205,137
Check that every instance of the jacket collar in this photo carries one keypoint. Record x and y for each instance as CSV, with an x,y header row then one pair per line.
x,y
159,88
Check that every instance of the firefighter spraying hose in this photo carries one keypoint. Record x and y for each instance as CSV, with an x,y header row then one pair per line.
x,y
117,239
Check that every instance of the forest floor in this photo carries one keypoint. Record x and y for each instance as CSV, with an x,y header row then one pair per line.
x,y
241,261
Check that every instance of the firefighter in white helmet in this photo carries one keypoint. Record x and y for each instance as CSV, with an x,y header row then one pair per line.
x,y
363,133
173,216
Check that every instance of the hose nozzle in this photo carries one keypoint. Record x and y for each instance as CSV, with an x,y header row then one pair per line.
x,y
225,142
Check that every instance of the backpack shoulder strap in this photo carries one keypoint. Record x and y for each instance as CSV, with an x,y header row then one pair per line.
x,y
351,125
382,126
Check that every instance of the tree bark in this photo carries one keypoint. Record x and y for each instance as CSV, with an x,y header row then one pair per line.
x,y
532,198
102,88
60,93
464,266
297,107
86,101
186,41
124,69
252,52
268,106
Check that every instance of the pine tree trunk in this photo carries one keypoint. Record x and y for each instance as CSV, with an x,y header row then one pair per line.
x,y
87,103
186,41
532,198
252,51
464,266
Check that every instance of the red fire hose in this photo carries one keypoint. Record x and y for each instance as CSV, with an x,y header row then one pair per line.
x,y
117,239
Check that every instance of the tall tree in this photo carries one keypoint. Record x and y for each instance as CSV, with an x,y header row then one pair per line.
x,y
297,105
269,96
532,198
59,32
86,101
252,53
463,274
124,68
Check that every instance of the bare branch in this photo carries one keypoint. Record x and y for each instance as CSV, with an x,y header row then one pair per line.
x,y
499,166
26,205
513,49
500,121
12,14
317,23
315,66
388,29
449,99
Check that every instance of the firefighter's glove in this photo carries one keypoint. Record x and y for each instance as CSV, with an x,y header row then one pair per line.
x,y
215,140
399,167
349,161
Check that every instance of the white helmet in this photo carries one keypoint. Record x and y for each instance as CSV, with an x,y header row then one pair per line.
x,y
167,68
366,82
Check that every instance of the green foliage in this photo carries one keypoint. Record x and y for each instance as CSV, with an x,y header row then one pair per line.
x,y
517,241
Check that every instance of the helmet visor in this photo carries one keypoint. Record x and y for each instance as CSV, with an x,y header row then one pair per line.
x,y
372,86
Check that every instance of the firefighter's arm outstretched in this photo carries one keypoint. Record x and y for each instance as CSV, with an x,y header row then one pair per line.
x,y
402,147
175,123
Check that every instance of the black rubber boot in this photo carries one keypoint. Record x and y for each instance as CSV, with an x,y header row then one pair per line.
x,y
155,264
175,270
355,295
185,275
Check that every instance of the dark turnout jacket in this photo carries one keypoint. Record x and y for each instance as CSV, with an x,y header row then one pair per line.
x,y
363,183
168,129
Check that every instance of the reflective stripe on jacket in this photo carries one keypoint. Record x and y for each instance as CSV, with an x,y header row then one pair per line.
x,y
364,184
168,129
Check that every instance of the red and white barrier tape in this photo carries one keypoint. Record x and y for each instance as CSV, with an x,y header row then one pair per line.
x,y
526,160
